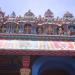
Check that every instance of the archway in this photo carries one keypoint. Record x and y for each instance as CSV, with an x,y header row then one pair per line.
x,y
54,66
27,28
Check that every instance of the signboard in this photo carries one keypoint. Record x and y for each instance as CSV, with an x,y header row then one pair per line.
x,y
36,45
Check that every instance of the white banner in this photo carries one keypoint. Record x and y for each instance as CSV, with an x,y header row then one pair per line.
x,y
36,45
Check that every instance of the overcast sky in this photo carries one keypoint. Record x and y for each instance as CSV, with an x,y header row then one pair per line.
x,y
38,7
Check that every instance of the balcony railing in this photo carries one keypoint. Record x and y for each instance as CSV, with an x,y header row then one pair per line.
x,y
37,37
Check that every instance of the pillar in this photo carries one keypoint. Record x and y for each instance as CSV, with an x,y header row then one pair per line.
x,y
25,70
17,28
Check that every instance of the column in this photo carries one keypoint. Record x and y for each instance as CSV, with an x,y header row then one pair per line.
x,y
0,28
17,28
25,70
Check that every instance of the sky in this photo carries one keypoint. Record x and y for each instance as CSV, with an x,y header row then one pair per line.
x,y
38,7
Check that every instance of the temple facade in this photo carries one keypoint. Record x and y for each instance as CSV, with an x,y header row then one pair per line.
x,y
31,45
30,24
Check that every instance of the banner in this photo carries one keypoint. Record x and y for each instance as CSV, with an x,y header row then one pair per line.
x,y
36,45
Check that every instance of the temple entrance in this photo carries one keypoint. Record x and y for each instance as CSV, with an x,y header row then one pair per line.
x,y
54,72
9,65
51,65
